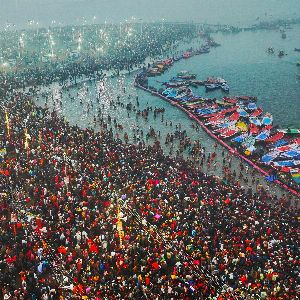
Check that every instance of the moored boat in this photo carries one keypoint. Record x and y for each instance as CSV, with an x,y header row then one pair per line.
x,y
186,54
224,87
211,87
290,131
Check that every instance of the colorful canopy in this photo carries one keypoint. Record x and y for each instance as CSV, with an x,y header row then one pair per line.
x,y
263,136
267,120
240,138
296,177
252,106
234,117
229,133
242,126
276,137
257,112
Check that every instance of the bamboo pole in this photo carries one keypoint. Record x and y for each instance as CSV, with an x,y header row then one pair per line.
x,y
120,226
7,124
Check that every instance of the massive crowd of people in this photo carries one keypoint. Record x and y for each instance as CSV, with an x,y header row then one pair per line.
x,y
121,52
86,216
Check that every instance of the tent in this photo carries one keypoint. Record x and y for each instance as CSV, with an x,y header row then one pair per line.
x,y
276,137
263,135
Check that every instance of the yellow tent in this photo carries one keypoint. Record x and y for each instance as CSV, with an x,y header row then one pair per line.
x,y
242,126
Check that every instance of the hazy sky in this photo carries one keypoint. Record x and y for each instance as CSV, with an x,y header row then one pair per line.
x,y
213,11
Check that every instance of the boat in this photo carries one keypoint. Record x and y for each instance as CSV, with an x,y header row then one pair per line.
x,y
203,50
289,131
246,98
283,35
297,49
230,100
172,94
257,112
174,84
197,82
176,79
242,126
181,73
168,62
255,121
168,91
240,138
234,117
298,63
271,50
263,136
224,87
186,54
218,80
253,129
154,72
242,113
186,75
252,106
229,133
281,53
267,119
193,84
211,87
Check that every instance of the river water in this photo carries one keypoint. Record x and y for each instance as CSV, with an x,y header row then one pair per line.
x,y
242,60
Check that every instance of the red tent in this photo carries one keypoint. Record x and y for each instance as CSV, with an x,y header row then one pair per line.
x,y
276,137
253,129
257,112
296,141
234,117
230,100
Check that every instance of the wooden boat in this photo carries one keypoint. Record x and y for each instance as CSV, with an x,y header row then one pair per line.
x,y
197,82
246,98
276,137
229,133
211,87
290,131
257,112
186,55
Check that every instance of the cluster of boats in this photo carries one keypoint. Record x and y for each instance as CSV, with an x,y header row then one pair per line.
x,y
242,124
238,118
284,153
239,123
186,79
236,122
158,67
271,50
281,53
216,83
